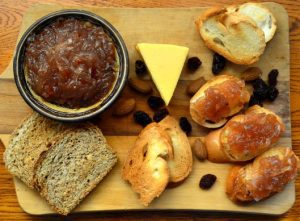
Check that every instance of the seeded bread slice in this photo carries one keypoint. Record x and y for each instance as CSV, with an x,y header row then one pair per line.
x,y
232,34
27,143
75,163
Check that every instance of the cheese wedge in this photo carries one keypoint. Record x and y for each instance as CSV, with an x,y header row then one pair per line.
x,y
165,63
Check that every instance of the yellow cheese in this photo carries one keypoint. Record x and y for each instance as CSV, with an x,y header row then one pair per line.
x,y
164,63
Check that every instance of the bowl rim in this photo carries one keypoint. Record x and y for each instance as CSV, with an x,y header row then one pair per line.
x,y
43,108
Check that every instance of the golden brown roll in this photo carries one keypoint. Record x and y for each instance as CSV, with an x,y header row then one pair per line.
x,y
219,98
245,136
266,175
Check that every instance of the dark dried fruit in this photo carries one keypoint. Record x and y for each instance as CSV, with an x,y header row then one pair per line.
x,y
255,101
260,89
140,68
259,84
272,93
142,118
207,181
272,77
160,114
185,125
193,63
155,102
219,63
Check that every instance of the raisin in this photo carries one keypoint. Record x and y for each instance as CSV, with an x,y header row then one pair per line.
x,y
259,84
155,102
207,181
193,63
142,118
261,93
272,93
219,63
140,68
254,101
272,77
185,125
160,114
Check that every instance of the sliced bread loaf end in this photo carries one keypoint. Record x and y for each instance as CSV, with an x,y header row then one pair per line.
x,y
76,162
27,143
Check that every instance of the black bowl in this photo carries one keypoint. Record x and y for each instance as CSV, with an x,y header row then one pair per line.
x,y
43,107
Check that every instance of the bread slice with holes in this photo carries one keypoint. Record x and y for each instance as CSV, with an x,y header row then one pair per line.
x,y
232,34
77,160
146,167
180,165
161,154
27,143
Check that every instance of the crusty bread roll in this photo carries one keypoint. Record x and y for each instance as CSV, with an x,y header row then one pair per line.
x,y
161,154
219,98
268,174
232,34
245,136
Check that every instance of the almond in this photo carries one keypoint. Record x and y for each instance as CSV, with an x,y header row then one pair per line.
x,y
195,85
251,74
141,86
199,149
124,107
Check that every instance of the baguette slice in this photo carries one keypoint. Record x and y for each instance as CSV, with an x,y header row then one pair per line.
x,y
146,166
180,165
77,160
231,34
27,143
263,18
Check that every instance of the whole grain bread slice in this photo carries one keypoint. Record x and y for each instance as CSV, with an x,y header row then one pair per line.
x,y
27,143
77,160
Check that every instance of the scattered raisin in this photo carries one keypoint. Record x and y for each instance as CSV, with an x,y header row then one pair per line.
x,y
254,101
259,84
142,118
272,93
219,63
185,125
140,68
260,89
160,114
272,77
193,63
207,181
155,102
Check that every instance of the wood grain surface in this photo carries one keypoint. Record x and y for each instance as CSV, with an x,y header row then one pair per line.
x,y
10,20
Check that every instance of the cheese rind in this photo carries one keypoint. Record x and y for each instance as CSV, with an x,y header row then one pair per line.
x,y
165,63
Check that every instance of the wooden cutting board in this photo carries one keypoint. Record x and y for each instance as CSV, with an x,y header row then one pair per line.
x,y
159,25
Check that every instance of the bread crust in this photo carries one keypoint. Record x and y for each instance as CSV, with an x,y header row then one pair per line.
x,y
219,83
266,175
233,20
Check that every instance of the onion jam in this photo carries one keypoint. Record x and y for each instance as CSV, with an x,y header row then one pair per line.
x,y
71,63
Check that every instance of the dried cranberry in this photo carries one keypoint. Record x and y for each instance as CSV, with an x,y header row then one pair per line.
x,y
193,63
155,102
272,93
185,125
272,77
160,114
207,181
254,101
142,118
140,68
219,63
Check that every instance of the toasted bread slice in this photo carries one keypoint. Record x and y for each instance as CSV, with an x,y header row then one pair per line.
x,y
146,166
77,160
262,16
232,34
181,164
217,99
268,174
27,143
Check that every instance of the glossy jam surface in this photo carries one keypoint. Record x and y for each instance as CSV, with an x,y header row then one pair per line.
x,y
220,99
71,63
251,135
